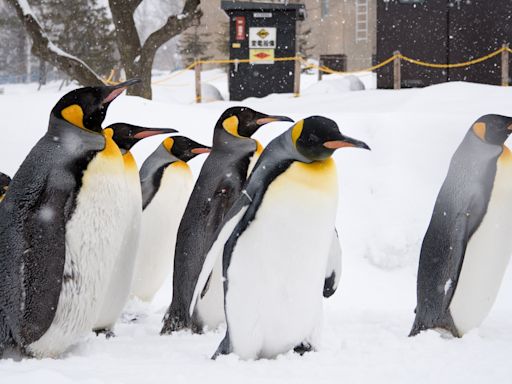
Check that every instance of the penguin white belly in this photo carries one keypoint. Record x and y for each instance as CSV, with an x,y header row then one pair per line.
x,y
277,270
118,291
160,221
92,240
487,255
210,308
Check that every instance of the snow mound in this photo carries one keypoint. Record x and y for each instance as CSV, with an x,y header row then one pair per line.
x,y
210,93
343,84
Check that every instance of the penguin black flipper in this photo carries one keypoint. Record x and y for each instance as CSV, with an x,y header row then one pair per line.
x,y
29,222
333,271
457,215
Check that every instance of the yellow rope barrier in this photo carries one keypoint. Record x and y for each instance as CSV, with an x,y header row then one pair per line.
x,y
332,71
326,69
175,74
454,65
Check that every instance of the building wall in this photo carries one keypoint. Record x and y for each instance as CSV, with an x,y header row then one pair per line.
x,y
333,30
332,24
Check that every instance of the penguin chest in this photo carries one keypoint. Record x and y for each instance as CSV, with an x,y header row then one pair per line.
x,y
487,254
92,242
160,221
117,293
277,269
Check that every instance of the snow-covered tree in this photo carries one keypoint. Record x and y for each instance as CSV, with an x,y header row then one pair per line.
x,y
136,57
84,30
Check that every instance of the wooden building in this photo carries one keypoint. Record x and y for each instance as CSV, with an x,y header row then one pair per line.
x,y
442,31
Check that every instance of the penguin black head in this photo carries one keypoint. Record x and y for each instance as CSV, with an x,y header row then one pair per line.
x,y
184,148
493,129
86,107
127,135
244,122
4,184
317,137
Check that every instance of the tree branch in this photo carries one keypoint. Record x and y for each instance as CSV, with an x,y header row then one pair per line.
x,y
43,48
173,27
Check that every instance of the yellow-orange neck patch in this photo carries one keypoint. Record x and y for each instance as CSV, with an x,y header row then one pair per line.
x,y
111,148
74,115
259,148
168,143
129,162
297,131
231,125
479,130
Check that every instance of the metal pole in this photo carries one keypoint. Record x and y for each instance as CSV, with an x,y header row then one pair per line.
x,y
397,76
296,83
505,65
320,65
198,81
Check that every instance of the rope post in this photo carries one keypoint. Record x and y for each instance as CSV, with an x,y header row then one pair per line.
x,y
397,76
320,65
504,65
197,69
296,81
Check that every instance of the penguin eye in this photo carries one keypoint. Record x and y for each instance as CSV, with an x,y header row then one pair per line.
x,y
312,138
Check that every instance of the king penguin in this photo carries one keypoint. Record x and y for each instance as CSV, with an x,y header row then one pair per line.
x,y
166,182
58,228
115,297
218,185
4,185
276,241
467,245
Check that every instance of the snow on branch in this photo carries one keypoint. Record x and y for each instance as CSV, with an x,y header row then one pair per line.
x,y
44,49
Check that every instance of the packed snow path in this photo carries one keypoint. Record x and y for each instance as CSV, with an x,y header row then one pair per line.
x,y
386,199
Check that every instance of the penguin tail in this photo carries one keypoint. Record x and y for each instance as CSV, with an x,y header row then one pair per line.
x,y
445,325
175,320
6,339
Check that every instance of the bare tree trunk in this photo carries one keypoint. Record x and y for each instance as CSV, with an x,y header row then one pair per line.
x,y
137,58
43,48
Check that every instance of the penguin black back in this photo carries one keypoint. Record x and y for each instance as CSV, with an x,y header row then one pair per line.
x,y
459,209
218,185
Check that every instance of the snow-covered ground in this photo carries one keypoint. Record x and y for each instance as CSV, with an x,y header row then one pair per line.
x,y
386,199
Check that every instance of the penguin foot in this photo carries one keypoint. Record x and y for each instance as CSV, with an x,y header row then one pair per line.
x,y
302,348
107,332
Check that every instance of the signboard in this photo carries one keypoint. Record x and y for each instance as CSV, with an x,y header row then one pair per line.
x,y
262,15
262,37
262,56
240,28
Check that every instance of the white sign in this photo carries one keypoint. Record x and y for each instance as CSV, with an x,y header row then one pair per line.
x,y
262,37
262,14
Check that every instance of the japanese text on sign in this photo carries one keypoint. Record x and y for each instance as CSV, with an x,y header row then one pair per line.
x,y
262,37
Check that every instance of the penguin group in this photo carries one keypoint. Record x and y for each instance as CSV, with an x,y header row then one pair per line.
x,y
252,243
